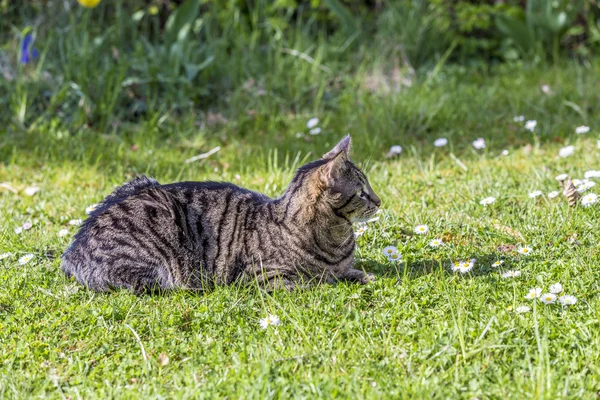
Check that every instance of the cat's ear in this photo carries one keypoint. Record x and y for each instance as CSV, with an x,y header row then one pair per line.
x,y
330,171
342,147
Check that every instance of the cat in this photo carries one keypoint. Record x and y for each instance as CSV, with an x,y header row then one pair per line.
x,y
193,235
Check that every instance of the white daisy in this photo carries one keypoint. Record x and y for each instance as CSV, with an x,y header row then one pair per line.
x,y
585,185
25,259
91,208
269,320
556,288
395,150
436,243
463,266
535,193
32,190
511,274
498,263
18,230
487,201
75,222
27,225
362,228
534,293
589,199
440,142
561,177
63,232
553,194
389,250
548,298
566,151
530,125
591,174
421,229
526,250
580,130
546,89
479,143
395,257
504,153
598,144
5,255
522,309
567,300
577,182
315,131
519,118
313,122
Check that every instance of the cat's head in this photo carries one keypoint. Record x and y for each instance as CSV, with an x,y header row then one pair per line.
x,y
344,186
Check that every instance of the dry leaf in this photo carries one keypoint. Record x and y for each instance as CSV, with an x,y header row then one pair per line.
x,y
163,359
570,192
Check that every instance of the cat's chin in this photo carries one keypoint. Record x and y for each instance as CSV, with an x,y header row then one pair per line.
x,y
369,218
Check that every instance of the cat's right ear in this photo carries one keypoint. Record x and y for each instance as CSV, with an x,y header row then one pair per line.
x,y
342,146
330,171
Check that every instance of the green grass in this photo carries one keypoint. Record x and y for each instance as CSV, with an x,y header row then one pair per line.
x,y
419,331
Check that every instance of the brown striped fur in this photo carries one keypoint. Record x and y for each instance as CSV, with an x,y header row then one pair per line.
x,y
194,235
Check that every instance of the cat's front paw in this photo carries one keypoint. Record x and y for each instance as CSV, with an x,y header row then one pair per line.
x,y
367,278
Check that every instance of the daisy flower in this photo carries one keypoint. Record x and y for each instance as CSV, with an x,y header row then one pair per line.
x,y
463,266
269,320
530,125
421,229
389,250
479,143
584,185
561,177
25,259
5,255
313,122
534,293
63,232
598,144
498,263
32,190
553,194
27,226
525,250
395,150
18,230
75,222
504,153
556,288
315,131
91,208
522,309
535,194
511,274
436,243
440,142
395,257
567,300
546,89
519,118
591,174
566,151
487,201
580,130
589,199
548,298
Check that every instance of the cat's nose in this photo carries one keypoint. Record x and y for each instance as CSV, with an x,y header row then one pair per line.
x,y
376,200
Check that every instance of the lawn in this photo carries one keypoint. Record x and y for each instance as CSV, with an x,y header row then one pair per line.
x,y
420,330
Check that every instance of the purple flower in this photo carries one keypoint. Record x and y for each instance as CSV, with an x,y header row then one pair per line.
x,y
28,52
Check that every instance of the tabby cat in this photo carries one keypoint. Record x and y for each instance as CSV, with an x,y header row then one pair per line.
x,y
194,235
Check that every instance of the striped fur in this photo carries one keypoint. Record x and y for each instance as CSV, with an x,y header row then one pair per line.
x,y
194,235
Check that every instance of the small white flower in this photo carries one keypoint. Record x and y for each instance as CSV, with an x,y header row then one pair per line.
x,y
519,118
436,243
389,250
585,185
546,89
535,194
315,131
299,135
577,182
530,125
567,300
362,228
269,320
25,259
463,266
589,199
395,257
498,263
31,190
580,130
566,151
511,274
487,201
591,174
522,309
548,298
556,288
526,250
312,123
18,230
440,142
553,194
504,153
395,150
561,177
27,225
91,208
479,143
75,222
5,255
598,144
63,232
534,293
421,229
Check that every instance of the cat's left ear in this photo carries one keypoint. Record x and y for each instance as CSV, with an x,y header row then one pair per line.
x,y
342,147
